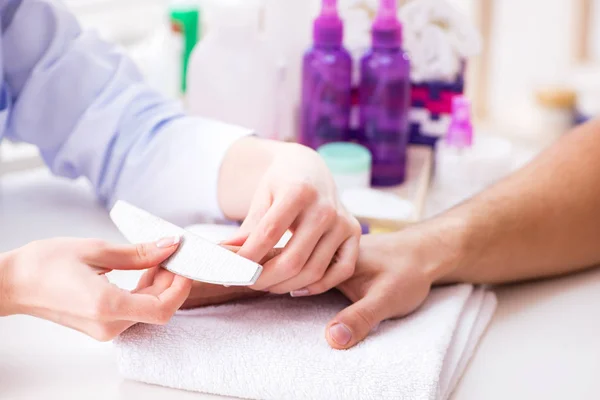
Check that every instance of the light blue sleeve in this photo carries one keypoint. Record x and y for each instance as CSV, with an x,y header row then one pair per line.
x,y
86,107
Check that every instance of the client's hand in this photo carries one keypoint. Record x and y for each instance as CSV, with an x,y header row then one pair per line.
x,y
63,280
390,281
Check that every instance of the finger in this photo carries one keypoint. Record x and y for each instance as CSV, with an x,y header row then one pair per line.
x,y
342,269
258,209
272,227
236,241
322,260
161,280
131,257
353,324
270,255
309,229
146,279
154,309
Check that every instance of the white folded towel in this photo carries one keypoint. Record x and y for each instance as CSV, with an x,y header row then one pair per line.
x,y
274,348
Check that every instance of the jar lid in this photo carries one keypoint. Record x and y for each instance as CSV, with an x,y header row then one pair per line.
x,y
346,158
556,97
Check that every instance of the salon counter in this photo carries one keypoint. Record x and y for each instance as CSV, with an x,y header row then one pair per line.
x,y
543,342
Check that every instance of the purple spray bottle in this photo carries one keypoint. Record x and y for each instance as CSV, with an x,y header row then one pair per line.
x,y
326,82
385,98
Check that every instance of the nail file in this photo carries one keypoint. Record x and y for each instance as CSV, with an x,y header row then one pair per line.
x,y
195,258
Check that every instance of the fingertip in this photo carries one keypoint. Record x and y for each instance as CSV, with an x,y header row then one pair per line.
x,y
171,242
250,252
237,240
339,336
182,282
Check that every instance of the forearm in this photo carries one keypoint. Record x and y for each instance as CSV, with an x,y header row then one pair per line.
x,y
540,222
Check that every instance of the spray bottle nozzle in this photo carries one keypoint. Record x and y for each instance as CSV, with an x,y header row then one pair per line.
x,y
328,29
329,7
387,9
387,30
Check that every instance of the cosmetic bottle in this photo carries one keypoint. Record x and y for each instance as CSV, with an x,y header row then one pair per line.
x,y
326,82
467,164
385,98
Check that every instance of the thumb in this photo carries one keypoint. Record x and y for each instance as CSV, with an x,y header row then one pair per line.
x,y
354,323
133,256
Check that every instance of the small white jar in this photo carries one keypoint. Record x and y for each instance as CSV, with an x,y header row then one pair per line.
x,y
349,163
555,112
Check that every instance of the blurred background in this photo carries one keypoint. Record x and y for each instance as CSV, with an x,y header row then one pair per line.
x,y
527,45
532,67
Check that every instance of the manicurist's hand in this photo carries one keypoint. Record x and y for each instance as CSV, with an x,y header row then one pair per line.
x,y
289,187
63,280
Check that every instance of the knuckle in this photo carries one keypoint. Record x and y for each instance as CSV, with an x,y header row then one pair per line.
x,y
270,232
355,228
141,250
163,316
316,274
304,191
327,214
366,316
346,271
291,264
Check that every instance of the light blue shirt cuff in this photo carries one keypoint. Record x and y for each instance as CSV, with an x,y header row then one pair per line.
x,y
176,174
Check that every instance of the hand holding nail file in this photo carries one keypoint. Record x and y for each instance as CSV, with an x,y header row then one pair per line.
x,y
196,258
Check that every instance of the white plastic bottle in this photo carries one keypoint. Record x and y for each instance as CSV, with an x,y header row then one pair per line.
x,y
231,74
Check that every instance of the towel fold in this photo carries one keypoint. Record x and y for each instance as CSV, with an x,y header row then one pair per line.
x,y
274,348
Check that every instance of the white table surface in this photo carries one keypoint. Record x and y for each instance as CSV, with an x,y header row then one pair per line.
x,y
543,343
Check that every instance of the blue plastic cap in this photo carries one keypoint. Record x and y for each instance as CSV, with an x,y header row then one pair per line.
x,y
346,158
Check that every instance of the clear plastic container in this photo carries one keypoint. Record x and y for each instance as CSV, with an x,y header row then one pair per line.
x,y
349,163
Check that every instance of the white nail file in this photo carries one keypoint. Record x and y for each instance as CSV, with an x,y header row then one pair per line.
x,y
196,258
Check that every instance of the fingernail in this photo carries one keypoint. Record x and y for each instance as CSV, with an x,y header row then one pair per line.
x,y
300,293
168,242
340,334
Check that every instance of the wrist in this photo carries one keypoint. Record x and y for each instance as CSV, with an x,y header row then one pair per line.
x,y
6,285
444,248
